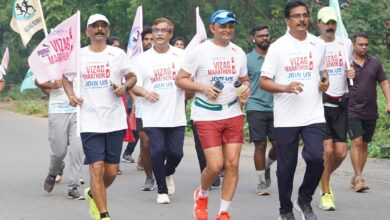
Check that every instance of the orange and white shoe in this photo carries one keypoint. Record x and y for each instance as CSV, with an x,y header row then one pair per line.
x,y
223,216
200,207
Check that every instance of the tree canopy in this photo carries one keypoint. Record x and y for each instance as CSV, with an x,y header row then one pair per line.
x,y
370,16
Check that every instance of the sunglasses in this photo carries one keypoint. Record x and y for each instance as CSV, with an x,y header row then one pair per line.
x,y
223,15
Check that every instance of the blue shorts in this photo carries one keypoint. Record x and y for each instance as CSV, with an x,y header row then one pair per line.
x,y
105,147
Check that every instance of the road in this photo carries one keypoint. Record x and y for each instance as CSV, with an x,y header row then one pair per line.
x,y
24,162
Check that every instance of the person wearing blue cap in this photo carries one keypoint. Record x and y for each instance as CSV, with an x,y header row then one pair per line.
x,y
215,66
295,71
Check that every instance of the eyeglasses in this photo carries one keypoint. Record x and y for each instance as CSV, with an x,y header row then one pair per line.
x,y
97,25
222,15
162,30
298,16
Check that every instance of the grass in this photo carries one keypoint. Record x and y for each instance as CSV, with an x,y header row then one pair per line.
x,y
30,102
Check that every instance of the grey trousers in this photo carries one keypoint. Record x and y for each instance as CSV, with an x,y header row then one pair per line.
x,y
63,138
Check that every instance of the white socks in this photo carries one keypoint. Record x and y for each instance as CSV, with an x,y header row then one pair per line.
x,y
224,205
260,174
203,193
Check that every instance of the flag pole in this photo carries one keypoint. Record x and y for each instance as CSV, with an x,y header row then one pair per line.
x,y
78,77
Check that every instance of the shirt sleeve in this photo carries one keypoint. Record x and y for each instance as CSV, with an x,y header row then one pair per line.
x,y
189,61
125,63
270,64
381,75
244,67
322,60
137,69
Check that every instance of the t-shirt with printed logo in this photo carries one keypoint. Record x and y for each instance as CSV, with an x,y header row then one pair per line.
x,y
290,60
209,63
102,111
157,72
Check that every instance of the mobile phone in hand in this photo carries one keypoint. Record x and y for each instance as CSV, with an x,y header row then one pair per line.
x,y
113,85
218,85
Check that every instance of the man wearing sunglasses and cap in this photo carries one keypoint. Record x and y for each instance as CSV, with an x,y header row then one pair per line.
x,y
102,115
216,65
335,100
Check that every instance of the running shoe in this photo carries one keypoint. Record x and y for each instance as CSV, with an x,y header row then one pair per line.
x,y
216,184
73,193
267,176
327,203
200,207
359,184
128,158
106,218
223,216
287,216
149,184
93,210
262,189
305,210
163,198
48,185
170,184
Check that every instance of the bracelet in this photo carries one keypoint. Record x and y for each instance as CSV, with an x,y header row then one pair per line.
x,y
144,94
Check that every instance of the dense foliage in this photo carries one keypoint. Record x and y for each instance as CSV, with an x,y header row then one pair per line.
x,y
370,16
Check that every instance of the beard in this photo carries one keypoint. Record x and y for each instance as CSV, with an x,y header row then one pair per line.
x,y
263,45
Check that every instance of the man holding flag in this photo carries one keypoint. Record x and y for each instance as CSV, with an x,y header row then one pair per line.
x,y
335,100
102,115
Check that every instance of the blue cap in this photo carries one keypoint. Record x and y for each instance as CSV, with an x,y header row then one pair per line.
x,y
222,17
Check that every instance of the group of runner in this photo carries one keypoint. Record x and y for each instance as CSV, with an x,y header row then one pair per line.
x,y
299,87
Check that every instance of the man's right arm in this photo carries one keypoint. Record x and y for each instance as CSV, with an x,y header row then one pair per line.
x,y
183,80
68,87
269,85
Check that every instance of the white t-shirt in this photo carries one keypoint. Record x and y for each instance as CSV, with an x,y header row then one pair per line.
x,y
288,60
102,111
59,102
208,63
157,72
336,65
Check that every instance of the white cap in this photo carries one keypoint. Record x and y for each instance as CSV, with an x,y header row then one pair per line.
x,y
97,17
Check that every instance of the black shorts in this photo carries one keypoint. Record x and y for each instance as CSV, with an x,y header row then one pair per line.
x,y
359,127
139,124
336,123
261,125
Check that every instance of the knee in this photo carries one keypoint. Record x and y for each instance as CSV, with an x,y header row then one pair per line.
x,y
340,155
97,169
215,168
231,166
328,150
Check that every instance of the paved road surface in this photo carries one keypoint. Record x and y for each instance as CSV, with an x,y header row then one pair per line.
x,y
24,160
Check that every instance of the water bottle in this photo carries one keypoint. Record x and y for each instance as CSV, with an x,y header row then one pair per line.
x,y
240,88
